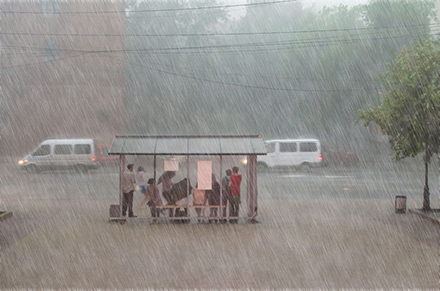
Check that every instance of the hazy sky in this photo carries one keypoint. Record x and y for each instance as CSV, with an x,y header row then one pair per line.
x,y
321,3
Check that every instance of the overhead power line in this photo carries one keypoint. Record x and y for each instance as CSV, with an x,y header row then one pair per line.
x,y
42,62
432,25
152,10
230,48
190,76
245,85
253,75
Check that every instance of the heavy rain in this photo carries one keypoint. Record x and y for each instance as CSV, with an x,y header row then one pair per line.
x,y
326,111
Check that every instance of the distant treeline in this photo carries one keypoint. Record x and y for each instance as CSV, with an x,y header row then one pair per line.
x,y
280,70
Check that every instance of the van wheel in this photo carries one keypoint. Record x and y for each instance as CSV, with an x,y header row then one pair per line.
x,y
261,167
305,167
81,169
32,169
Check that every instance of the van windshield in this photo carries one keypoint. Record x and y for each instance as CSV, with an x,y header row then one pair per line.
x,y
43,150
270,147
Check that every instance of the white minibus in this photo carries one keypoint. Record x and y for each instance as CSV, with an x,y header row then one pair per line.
x,y
299,153
78,154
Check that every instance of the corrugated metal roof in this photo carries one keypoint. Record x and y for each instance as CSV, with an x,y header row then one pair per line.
x,y
188,145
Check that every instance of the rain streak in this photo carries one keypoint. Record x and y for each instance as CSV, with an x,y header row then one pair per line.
x,y
219,144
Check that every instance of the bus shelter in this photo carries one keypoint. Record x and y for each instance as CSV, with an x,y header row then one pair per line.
x,y
215,147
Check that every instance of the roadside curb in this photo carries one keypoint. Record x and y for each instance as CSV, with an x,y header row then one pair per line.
x,y
425,215
5,215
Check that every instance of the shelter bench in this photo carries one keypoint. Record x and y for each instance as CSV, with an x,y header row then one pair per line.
x,y
203,207
206,206
168,206
190,206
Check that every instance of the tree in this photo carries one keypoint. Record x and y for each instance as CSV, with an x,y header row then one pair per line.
x,y
409,22
409,112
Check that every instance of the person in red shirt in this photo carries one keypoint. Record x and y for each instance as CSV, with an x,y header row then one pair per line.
x,y
234,194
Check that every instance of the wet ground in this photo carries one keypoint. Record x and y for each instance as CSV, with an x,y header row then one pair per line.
x,y
328,229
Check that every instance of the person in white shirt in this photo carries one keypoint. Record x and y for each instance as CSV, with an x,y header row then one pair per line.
x,y
128,182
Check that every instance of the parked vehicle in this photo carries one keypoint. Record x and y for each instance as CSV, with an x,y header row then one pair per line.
x,y
340,155
78,154
299,153
104,158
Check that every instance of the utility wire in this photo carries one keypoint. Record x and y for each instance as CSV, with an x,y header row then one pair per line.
x,y
196,78
31,50
43,62
191,77
249,47
152,10
434,25
242,85
256,76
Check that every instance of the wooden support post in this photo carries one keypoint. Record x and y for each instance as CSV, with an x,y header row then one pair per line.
x,y
187,187
121,172
252,188
221,188
154,174
154,184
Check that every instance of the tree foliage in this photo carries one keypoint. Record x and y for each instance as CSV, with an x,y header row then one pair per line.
x,y
409,112
307,81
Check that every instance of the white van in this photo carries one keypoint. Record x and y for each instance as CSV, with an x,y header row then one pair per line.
x,y
302,153
78,154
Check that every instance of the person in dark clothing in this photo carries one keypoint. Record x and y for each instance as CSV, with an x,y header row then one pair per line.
x,y
225,193
179,192
128,181
166,188
154,198
213,199
234,194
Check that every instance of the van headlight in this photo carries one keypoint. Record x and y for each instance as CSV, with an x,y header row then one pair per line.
x,y
22,162
244,161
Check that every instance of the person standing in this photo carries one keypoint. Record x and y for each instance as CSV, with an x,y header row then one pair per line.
x,y
225,192
141,183
199,199
213,199
179,194
154,199
234,194
128,181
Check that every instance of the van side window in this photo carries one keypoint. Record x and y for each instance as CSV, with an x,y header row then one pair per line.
x,y
82,149
62,149
288,147
270,148
43,150
308,147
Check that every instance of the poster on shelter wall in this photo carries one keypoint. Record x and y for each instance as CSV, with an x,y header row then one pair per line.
x,y
204,175
171,166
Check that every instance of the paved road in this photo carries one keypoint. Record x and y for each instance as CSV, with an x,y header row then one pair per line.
x,y
372,182
328,229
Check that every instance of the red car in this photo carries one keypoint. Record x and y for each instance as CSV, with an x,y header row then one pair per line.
x,y
104,158
340,155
